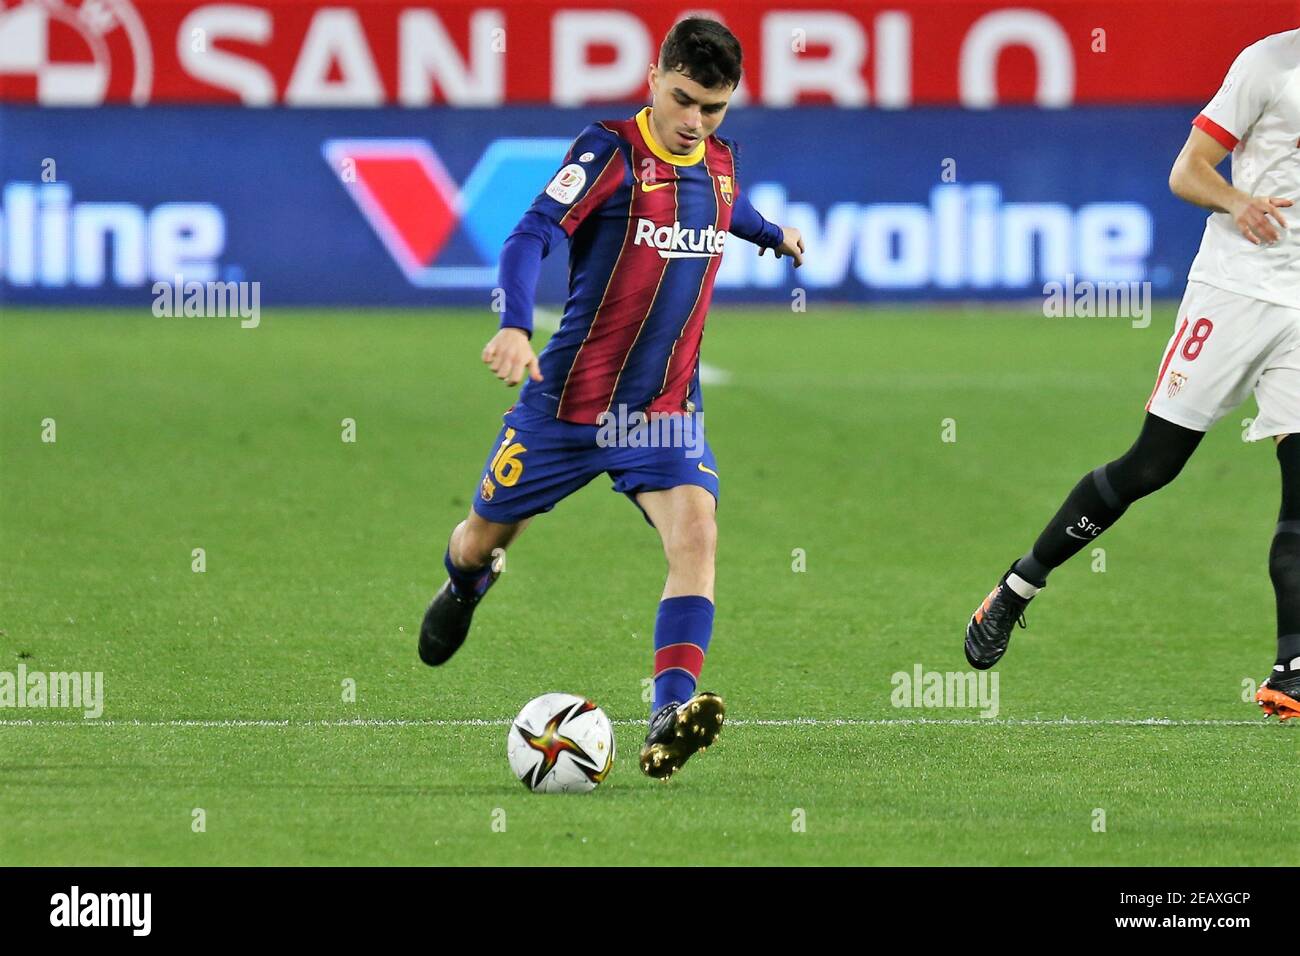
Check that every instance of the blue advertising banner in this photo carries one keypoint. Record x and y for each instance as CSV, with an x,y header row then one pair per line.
x,y
410,207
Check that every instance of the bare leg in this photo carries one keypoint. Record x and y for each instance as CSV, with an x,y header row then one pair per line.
x,y
684,518
475,541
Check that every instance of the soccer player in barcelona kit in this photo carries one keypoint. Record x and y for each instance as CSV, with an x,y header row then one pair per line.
x,y
646,204
1238,330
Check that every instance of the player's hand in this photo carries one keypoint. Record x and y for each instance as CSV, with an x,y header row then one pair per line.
x,y
791,245
511,357
1252,214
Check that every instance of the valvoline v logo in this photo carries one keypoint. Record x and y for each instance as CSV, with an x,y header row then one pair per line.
x,y
416,208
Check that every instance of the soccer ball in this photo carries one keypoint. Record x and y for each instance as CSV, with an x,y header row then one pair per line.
x,y
560,744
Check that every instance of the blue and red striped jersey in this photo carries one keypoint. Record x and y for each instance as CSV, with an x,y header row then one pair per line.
x,y
646,234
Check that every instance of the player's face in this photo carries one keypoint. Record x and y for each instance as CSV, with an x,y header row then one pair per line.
x,y
683,112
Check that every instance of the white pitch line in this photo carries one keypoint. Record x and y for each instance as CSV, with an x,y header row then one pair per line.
x,y
709,374
504,722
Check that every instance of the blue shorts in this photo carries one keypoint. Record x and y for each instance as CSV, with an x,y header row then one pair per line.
x,y
537,460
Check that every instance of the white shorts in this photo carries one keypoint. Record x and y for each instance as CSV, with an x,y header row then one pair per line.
x,y
1224,346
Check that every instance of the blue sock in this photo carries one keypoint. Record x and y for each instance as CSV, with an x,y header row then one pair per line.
x,y
472,583
682,631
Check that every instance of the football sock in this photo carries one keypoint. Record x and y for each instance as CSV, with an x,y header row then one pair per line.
x,y
1284,569
1288,653
1103,495
683,627
1284,558
1090,509
1021,585
472,582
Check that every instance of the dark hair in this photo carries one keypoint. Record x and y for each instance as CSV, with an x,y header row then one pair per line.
x,y
704,50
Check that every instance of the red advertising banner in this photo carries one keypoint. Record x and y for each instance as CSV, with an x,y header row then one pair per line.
x,y
370,53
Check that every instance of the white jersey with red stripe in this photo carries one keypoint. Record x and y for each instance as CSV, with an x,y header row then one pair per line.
x,y
1256,114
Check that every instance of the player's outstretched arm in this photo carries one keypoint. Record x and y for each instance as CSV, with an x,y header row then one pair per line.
x,y
1195,178
593,170
510,354
749,224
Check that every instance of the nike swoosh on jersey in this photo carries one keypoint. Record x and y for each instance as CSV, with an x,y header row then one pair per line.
x,y
1073,534
705,468
647,188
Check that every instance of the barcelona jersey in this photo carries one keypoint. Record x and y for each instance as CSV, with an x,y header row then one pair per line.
x,y
646,232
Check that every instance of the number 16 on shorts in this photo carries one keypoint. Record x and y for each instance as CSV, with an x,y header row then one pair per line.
x,y
505,467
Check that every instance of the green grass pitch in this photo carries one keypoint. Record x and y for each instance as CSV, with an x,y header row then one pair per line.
x,y
224,690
